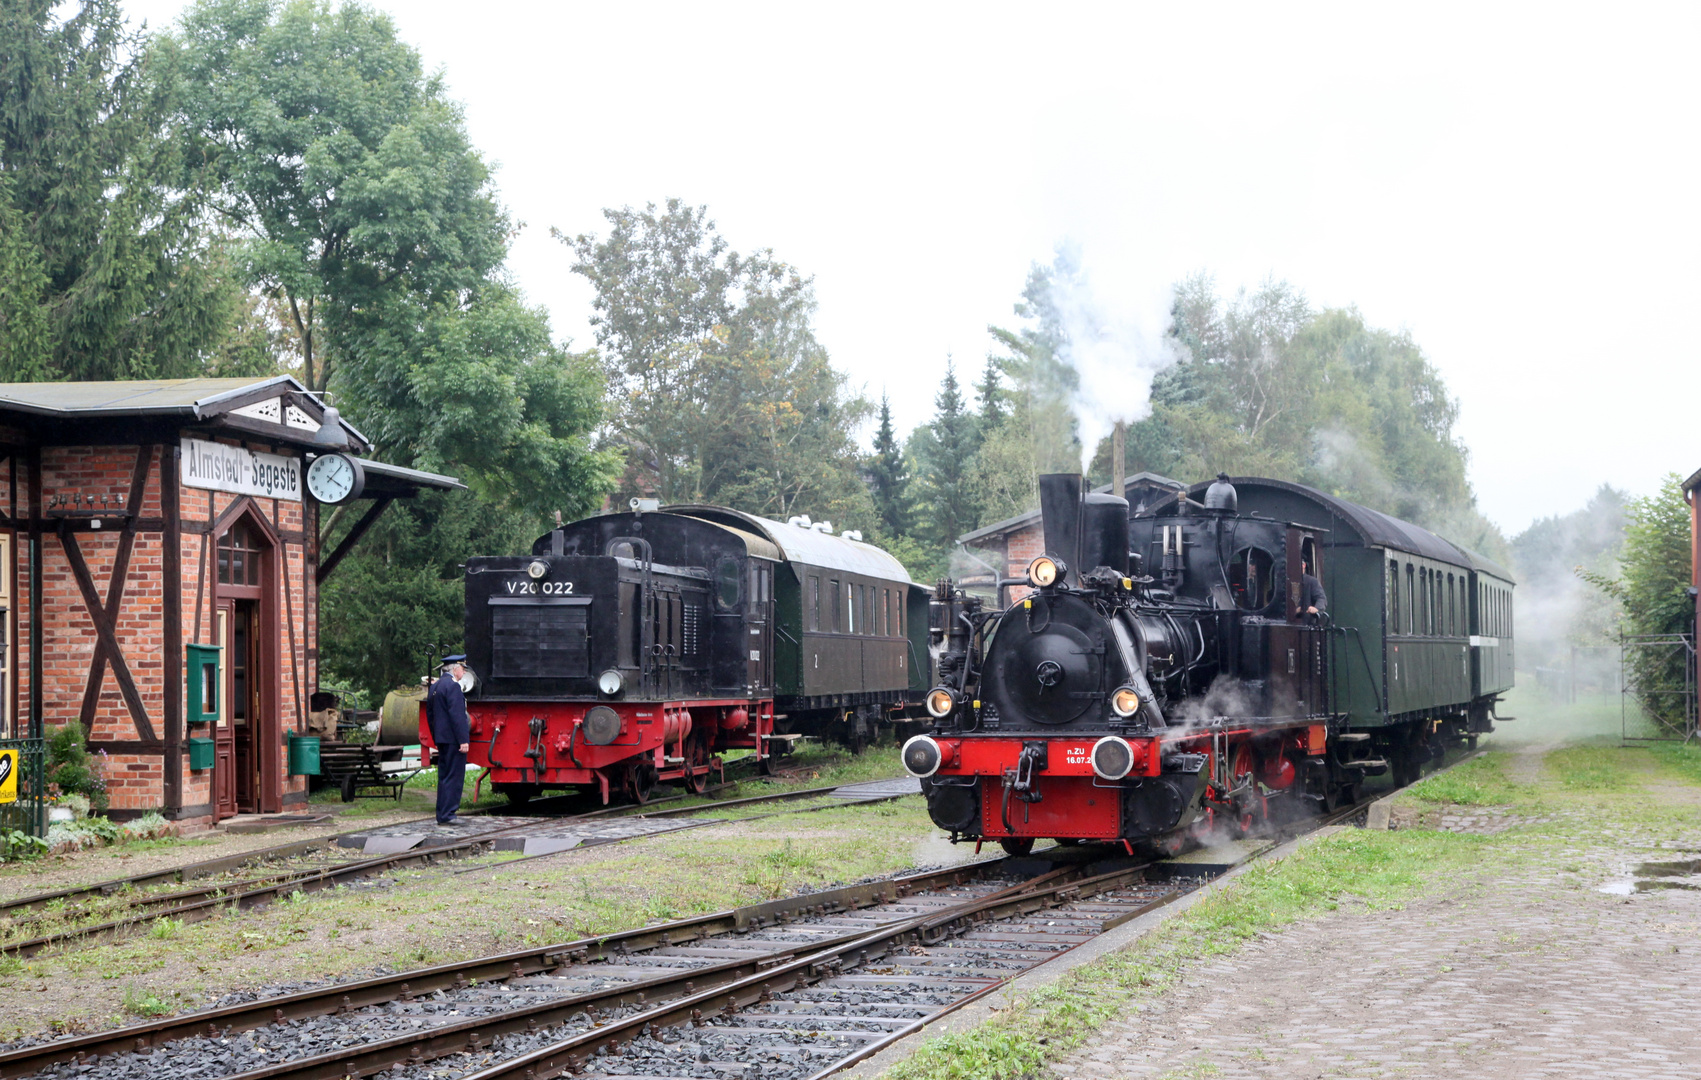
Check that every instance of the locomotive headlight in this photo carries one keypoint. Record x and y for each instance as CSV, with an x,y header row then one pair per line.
x,y
940,702
600,726
1044,571
1125,702
536,569
1113,758
922,756
609,682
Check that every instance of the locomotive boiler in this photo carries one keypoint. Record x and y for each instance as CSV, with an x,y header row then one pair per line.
x,y
1165,673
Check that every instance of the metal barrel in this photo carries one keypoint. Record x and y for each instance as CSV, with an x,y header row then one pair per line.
x,y
399,719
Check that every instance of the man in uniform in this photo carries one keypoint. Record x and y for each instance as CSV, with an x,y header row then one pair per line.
x,y
1312,599
447,704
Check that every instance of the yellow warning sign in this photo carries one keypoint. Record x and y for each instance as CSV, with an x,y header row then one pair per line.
x,y
8,776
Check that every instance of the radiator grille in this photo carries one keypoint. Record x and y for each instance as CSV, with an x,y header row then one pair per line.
x,y
540,641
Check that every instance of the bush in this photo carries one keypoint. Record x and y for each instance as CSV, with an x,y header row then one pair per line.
x,y
72,769
17,845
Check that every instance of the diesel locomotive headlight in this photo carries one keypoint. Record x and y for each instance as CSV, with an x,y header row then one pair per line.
x,y
609,682
1125,702
1113,758
536,569
940,702
601,726
922,756
1044,571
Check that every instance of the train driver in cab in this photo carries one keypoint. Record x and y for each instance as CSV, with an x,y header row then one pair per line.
x,y
1313,601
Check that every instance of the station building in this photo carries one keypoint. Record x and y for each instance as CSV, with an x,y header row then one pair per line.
x,y
142,522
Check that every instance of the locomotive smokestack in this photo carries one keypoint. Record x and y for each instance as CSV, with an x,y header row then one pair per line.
x,y
1060,516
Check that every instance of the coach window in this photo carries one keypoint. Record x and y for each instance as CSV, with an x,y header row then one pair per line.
x,y
815,601
1409,596
885,612
833,588
1393,597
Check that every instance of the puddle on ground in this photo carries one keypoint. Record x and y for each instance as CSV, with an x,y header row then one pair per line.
x,y
1656,877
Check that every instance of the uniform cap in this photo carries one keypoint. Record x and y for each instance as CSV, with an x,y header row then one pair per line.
x,y
454,658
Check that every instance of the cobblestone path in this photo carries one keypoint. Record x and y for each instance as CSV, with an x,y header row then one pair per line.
x,y
1535,972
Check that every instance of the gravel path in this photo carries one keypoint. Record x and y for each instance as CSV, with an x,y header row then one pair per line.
x,y
1538,971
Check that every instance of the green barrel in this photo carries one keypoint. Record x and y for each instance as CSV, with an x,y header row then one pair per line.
x,y
303,755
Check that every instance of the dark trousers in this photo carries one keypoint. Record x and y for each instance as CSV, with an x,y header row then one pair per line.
x,y
451,775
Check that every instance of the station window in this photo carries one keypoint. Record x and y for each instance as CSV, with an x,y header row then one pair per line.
x,y
239,556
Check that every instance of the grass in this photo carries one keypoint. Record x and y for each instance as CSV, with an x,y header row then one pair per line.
x,y
145,1003
1482,781
1375,869
1591,768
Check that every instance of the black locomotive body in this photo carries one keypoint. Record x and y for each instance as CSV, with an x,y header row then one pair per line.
x,y
1163,672
635,647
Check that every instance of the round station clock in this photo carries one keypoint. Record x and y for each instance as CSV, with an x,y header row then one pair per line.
x,y
335,478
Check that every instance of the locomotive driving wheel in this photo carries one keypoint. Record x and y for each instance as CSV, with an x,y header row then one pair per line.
x,y
1250,808
696,757
640,779
1017,845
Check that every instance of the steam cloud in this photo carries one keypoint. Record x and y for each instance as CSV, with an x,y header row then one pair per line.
x,y
1115,347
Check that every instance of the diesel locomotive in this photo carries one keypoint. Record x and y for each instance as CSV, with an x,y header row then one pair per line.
x,y
1162,673
633,648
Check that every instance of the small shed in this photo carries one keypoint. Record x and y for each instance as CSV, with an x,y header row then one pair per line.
x,y
141,519
1021,539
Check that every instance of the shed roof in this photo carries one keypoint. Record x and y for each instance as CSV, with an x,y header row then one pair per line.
x,y
805,545
1145,479
395,481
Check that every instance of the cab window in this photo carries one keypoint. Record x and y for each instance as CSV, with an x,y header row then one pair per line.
x,y
1250,578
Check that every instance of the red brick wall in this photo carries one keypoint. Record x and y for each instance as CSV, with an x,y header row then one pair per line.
x,y
136,781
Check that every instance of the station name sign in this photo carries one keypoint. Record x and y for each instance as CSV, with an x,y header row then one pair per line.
x,y
222,467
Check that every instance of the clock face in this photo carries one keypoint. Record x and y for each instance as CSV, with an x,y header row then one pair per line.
x,y
332,478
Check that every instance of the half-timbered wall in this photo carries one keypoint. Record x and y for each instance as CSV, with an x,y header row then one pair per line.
x,y
112,629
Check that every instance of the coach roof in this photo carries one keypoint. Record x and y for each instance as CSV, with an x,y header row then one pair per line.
x,y
797,544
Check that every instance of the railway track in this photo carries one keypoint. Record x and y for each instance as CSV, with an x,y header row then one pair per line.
x,y
794,988
131,909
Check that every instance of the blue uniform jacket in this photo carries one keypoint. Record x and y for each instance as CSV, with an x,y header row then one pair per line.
x,y
448,713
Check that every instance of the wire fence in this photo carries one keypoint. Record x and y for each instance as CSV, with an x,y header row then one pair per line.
x,y
1657,672
24,805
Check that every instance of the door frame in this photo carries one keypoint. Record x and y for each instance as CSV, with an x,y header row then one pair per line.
x,y
267,728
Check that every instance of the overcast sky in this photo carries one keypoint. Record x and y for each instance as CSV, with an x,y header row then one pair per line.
x,y
1516,187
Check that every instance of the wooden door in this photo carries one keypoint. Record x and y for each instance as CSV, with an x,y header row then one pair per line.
x,y
224,730
244,716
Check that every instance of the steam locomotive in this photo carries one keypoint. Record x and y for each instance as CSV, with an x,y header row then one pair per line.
x,y
1160,675
632,648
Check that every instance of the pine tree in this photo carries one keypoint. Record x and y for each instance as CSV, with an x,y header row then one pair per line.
x,y
991,392
889,477
950,459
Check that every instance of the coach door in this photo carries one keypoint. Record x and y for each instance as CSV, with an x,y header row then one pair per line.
x,y
759,625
